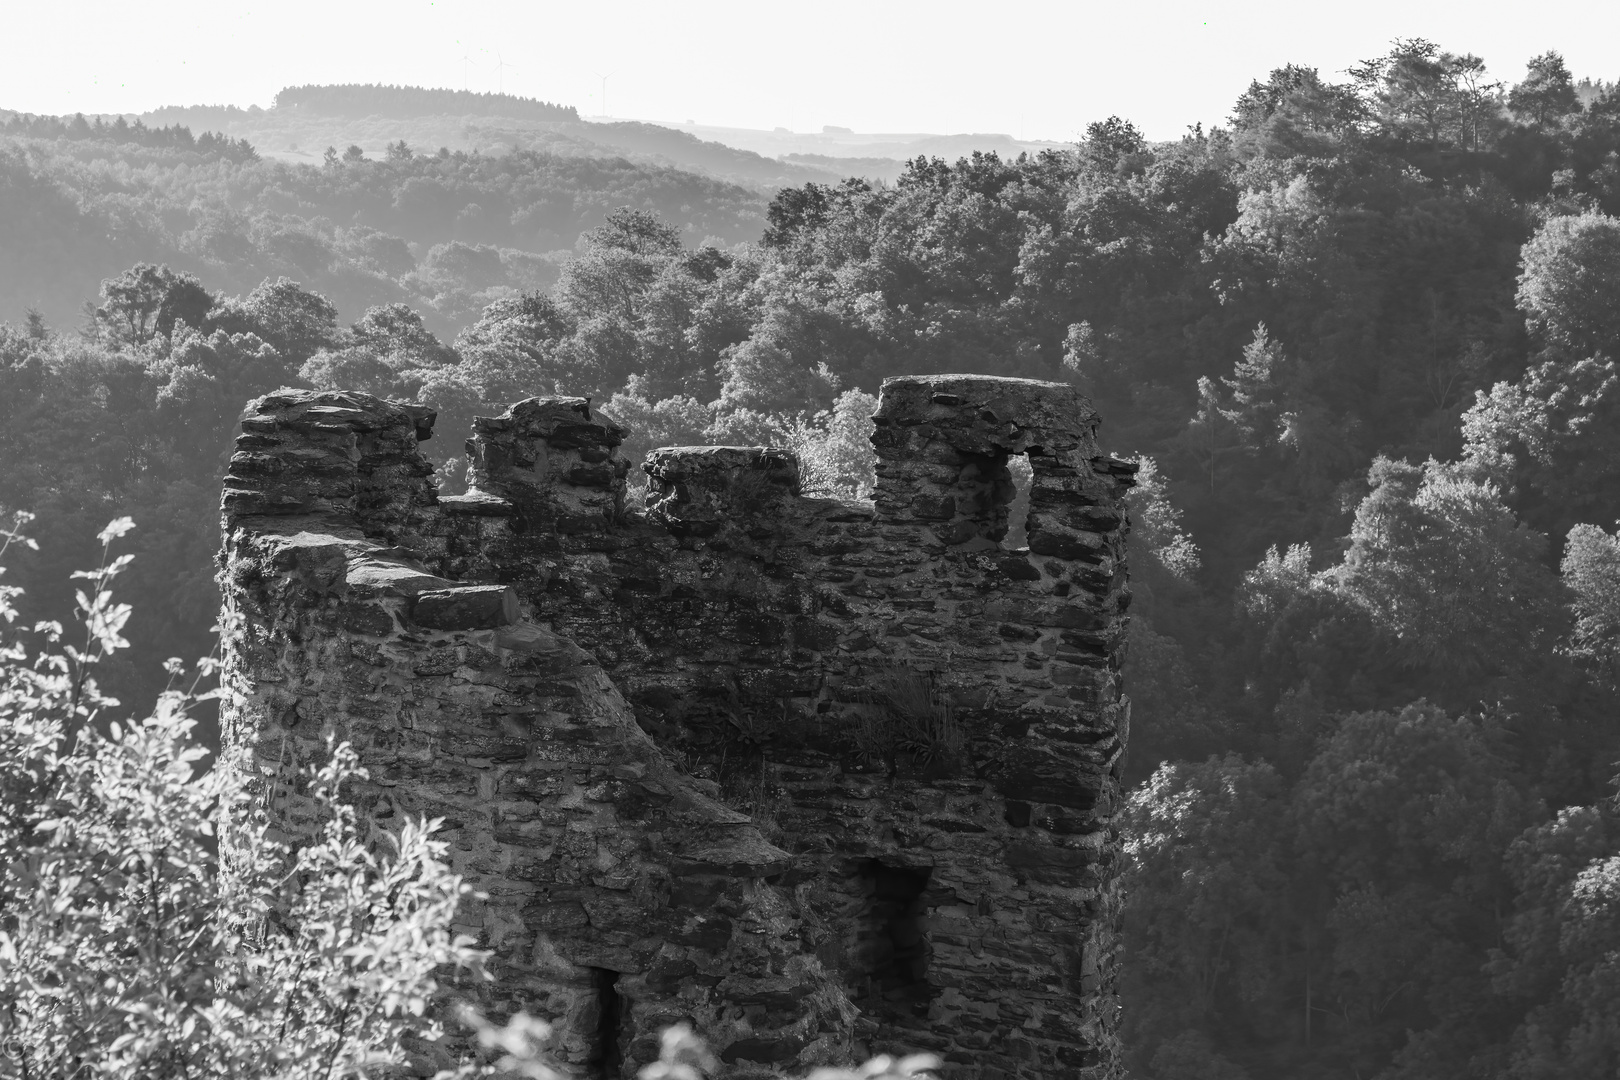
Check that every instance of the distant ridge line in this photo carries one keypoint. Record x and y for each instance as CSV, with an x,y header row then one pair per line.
x,y
407,102
122,132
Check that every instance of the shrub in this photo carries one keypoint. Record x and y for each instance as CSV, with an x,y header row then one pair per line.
x,y
128,949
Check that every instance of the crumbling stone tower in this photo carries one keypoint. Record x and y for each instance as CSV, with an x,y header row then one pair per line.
x,y
822,778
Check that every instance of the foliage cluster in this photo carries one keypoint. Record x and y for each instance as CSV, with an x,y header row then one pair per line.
x,y
1402,905
127,949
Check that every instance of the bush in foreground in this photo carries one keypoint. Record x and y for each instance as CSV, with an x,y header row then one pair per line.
x,y
128,950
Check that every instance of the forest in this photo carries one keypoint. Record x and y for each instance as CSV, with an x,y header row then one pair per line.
x,y
444,231
1362,339
409,101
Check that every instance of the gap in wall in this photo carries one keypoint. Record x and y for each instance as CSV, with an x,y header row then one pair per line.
x,y
607,1058
892,945
1023,477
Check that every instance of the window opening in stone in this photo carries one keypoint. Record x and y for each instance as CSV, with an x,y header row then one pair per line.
x,y
893,948
607,1060
1023,478
975,510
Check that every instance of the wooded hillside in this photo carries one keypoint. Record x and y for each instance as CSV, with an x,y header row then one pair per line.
x,y
357,99
446,232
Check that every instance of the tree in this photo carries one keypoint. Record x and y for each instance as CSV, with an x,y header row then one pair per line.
x,y
389,352
1547,94
778,369
1159,543
1082,353
398,331
1295,113
295,321
1438,560
1112,141
640,304
1418,91
635,231
1557,963
1480,97
200,381
834,447
671,421
1205,849
1591,571
512,350
1280,579
147,299
1254,389
1402,819
353,154
1171,716
1191,1055
794,211
1211,432
1569,277
1408,87
1554,435
619,262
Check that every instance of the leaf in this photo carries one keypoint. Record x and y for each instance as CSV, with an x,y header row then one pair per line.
x,y
115,528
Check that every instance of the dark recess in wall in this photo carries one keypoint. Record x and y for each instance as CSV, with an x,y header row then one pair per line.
x,y
893,948
607,1057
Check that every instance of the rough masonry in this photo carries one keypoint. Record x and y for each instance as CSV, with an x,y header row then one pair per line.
x,y
821,778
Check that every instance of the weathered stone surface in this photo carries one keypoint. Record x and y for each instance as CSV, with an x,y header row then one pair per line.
x,y
699,490
468,607
823,778
476,503
552,460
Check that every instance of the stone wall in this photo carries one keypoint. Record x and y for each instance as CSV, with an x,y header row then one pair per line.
x,y
822,778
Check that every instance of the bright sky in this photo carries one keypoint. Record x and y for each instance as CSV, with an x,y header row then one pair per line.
x,y
1030,68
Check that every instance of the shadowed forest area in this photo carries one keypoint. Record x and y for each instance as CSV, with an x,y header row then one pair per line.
x,y
1362,338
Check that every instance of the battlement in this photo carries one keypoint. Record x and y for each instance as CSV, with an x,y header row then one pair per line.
x,y
698,490
943,444
554,461
820,777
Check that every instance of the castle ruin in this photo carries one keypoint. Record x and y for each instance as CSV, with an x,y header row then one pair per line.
x,y
821,778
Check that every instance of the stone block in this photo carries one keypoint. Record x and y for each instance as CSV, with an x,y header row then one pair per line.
x,y
467,607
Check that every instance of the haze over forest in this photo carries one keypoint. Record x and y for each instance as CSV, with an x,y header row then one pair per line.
x,y
1361,335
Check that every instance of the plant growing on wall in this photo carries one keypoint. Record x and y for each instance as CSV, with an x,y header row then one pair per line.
x,y
906,711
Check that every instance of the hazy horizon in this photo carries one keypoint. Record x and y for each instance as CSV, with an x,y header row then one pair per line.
x,y
899,69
